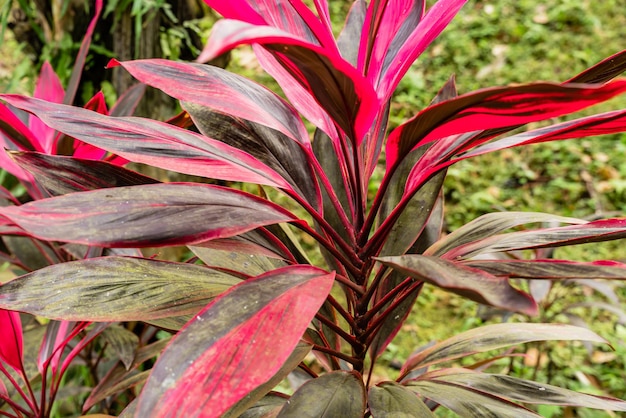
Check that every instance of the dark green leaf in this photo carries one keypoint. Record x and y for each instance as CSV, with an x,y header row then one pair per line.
x,y
123,342
390,400
332,395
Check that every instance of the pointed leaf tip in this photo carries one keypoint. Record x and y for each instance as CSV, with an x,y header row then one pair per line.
x,y
113,63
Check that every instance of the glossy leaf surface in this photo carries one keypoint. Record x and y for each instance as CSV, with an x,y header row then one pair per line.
x,y
114,289
134,216
237,343
492,337
471,283
531,392
390,400
151,142
335,394
12,344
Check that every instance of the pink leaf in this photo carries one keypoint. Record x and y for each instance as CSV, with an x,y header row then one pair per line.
x,y
11,343
237,343
495,108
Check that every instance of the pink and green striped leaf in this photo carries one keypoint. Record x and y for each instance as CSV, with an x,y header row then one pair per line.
x,y
152,142
495,108
236,344
146,215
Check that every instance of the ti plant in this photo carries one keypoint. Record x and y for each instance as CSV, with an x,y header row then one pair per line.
x,y
252,306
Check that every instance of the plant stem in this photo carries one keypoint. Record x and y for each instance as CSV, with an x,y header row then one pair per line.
x,y
387,298
371,289
352,360
349,283
344,314
29,400
350,339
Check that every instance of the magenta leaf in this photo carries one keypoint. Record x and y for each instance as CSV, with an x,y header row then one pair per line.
x,y
11,344
237,343
407,46
336,85
52,346
152,142
147,215
469,282
293,17
222,91
61,175
111,289
48,88
495,108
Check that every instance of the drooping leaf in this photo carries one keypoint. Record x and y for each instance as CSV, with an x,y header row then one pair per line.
x,y
11,345
600,124
528,391
495,108
152,142
335,394
134,216
467,402
123,342
597,231
234,345
60,175
469,282
337,86
493,337
552,269
111,289
390,400
286,157
492,224
295,358
221,91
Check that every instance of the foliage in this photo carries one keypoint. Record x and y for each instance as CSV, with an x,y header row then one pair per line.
x,y
250,306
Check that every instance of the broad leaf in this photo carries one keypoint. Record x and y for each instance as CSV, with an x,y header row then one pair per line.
x,y
113,289
530,392
286,157
349,38
60,175
469,282
335,394
495,108
470,403
492,224
493,337
604,71
134,216
123,342
248,264
267,407
338,87
390,400
234,345
221,91
152,142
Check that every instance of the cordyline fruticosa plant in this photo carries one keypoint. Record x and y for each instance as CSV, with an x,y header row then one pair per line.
x,y
255,307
